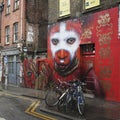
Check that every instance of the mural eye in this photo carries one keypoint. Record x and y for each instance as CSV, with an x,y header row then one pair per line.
x,y
55,41
71,40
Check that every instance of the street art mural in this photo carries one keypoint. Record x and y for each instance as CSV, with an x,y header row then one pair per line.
x,y
30,70
67,60
64,40
83,46
37,73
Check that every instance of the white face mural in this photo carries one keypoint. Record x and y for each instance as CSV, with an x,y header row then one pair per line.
x,y
64,39
64,44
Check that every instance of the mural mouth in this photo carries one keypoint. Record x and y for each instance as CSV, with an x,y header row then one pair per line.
x,y
62,63
61,67
65,69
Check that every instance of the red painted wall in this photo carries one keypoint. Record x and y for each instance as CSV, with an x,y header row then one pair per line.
x,y
101,29
107,50
67,60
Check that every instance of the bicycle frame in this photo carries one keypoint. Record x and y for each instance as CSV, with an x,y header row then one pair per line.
x,y
73,94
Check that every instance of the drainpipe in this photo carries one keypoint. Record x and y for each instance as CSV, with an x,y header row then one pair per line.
x,y
1,65
22,42
1,9
21,18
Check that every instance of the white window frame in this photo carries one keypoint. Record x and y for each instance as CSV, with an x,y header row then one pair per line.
x,y
16,4
8,6
7,34
15,32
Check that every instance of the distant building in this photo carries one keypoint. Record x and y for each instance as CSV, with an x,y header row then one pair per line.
x,y
23,34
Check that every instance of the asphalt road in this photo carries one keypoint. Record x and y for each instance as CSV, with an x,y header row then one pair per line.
x,y
16,107
13,107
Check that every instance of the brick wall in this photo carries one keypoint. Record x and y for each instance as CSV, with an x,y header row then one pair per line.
x,y
33,12
37,14
10,19
77,9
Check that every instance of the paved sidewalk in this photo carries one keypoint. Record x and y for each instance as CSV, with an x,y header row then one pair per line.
x,y
39,94
96,109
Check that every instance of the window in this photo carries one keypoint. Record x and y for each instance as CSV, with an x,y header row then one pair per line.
x,y
87,49
7,6
15,32
16,5
91,4
64,8
11,64
7,34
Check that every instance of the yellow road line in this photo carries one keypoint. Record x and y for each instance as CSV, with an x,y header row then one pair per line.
x,y
31,111
35,106
30,107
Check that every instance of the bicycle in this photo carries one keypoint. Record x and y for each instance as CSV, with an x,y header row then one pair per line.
x,y
73,94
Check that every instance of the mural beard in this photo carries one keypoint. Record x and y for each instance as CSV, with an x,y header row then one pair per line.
x,y
65,70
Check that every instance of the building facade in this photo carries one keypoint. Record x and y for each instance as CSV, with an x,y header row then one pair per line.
x,y
23,35
78,8
95,24
12,36
36,28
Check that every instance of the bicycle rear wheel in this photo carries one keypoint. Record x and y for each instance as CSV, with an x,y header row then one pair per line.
x,y
52,98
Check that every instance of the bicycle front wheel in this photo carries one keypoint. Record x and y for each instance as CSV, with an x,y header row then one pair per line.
x,y
81,104
52,98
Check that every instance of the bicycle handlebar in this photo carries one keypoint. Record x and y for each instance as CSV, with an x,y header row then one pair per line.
x,y
71,82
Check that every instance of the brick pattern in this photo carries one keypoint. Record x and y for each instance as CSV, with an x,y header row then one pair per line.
x,y
77,9
41,13
33,12
10,19
37,14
